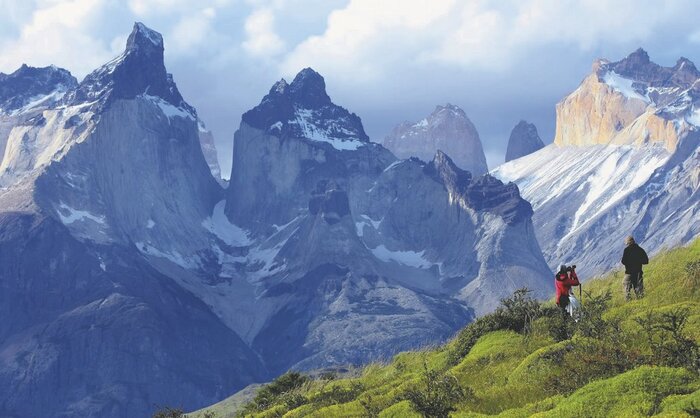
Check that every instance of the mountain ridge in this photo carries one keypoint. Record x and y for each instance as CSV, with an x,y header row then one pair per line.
x,y
624,162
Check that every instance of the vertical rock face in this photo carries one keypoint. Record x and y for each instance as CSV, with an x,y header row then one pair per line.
x,y
447,129
362,251
130,278
631,102
624,162
100,181
523,141
206,141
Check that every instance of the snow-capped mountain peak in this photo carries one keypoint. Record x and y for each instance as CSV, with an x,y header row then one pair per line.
x,y
623,162
30,87
639,102
142,37
303,109
138,71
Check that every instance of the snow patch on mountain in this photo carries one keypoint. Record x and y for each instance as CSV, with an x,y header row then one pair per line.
x,y
70,215
169,110
219,225
407,258
694,117
306,120
599,175
624,86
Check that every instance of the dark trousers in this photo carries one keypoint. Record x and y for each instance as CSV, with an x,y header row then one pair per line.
x,y
563,301
633,281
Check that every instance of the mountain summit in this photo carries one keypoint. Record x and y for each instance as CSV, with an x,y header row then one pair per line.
x,y
624,162
32,87
635,102
354,250
139,70
447,129
524,140
303,109
104,187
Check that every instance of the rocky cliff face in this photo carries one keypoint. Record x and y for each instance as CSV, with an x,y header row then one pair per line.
x,y
447,129
353,252
206,141
131,278
631,102
95,181
30,87
523,141
623,163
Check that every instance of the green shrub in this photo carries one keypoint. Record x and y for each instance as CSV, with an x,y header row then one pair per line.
x,y
638,392
168,412
590,319
515,313
370,405
293,400
556,323
436,395
692,275
274,392
666,338
338,394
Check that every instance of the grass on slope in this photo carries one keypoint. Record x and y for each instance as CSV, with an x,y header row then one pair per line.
x,y
637,358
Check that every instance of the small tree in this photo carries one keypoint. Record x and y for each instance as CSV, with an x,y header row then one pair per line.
x,y
591,322
667,340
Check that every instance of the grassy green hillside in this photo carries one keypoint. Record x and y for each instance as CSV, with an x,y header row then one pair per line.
x,y
637,358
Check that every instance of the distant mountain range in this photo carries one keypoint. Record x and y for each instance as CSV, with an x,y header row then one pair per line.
x,y
132,278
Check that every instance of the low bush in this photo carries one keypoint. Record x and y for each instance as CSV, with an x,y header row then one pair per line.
x,y
516,313
667,340
338,394
436,395
278,391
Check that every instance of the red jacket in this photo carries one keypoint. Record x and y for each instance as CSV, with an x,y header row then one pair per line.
x,y
563,282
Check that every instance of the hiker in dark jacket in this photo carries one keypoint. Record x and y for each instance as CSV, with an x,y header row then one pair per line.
x,y
633,258
563,281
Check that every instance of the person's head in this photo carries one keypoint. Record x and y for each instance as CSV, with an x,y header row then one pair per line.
x,y
629,240
562,268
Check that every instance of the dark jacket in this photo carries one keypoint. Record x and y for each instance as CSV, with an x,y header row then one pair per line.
x,y
633,258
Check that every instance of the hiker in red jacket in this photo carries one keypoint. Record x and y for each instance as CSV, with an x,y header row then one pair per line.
x,y
563,281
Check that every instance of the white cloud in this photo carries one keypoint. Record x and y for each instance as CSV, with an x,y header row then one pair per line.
x,y
57,33
261,38
368,38
191,31
145,8
362,36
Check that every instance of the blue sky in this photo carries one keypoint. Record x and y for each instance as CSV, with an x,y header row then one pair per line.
x,y
387,60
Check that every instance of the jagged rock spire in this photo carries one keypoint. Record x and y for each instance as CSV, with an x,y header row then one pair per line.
x,y
523,140
140,69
